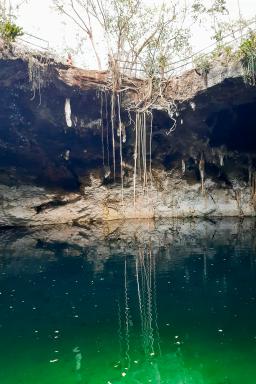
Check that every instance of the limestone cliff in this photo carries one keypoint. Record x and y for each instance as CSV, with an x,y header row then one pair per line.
x,y
56,148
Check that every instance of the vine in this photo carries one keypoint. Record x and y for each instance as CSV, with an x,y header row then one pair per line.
x,y
38,71
119,133
247,53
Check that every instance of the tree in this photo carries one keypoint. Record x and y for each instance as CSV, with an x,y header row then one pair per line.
x,y
9,30
9,8
81,12
142,38
138,35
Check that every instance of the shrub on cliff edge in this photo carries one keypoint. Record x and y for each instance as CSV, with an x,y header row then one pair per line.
x,y
9,31
247,54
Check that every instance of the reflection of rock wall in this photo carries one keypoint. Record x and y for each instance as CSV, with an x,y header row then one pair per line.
x,y
171,241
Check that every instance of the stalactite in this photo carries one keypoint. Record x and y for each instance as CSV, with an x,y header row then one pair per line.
x,y
68,112
202,171
253,188
67,155
183,166
193,105
124,133
250,171
252,180
221,158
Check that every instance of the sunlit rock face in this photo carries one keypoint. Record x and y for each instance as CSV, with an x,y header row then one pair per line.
x,y
56,148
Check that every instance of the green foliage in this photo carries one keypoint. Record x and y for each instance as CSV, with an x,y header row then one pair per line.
x,y
224,54
140,36
9,31
247,55
203,64
218,7
214,8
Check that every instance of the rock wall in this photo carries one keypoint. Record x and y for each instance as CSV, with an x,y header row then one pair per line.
x,y
28,205
56,151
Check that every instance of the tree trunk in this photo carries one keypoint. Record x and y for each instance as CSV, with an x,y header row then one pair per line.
x,y
95,52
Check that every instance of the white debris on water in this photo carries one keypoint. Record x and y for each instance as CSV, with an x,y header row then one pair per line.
x,y
54,361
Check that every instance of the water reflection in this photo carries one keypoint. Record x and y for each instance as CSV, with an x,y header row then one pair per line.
x,y
145,305
151,365
142,302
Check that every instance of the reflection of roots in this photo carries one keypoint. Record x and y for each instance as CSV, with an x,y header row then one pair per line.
x,y
124,326
169,368
127,334
153,366
145,275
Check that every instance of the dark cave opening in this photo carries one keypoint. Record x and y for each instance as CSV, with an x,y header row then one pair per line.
x,y
234,128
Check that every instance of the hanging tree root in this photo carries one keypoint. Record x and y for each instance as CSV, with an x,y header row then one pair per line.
x,y
39,73
150,95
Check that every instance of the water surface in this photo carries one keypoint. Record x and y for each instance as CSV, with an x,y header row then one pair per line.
x,y
172,302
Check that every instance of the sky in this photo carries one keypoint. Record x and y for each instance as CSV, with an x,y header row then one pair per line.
x,y
38,18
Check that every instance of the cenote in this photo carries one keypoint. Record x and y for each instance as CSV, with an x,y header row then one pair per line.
x,y
127,193
130,302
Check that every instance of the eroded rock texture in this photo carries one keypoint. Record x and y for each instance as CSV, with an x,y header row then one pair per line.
x,y
56,152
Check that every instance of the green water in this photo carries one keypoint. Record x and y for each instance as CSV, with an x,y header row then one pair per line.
x,y
174,306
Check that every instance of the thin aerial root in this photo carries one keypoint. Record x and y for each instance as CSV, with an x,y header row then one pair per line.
x,y
150,148
107,125
135,159
121,148
102,130
113,132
